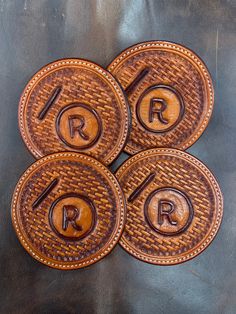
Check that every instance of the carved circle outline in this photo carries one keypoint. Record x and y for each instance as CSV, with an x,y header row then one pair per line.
x,y
94,216
191,211
91,110
181,113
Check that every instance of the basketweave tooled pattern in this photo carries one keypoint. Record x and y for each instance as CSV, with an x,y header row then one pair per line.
x,y
170,69
170,172
73,178
79,85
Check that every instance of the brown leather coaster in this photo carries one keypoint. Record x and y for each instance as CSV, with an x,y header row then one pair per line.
x,y
74,105
68,210
170,94
174,206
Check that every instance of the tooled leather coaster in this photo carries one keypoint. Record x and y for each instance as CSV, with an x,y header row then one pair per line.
x,y
174,206
170,94
74,105
68,210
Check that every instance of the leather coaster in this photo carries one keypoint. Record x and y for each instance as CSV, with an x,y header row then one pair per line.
x,y
74,105
170,94
174,206
68,210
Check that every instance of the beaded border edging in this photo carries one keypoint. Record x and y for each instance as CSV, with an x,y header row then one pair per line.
x,y
196,59
218,195
79,62
116,234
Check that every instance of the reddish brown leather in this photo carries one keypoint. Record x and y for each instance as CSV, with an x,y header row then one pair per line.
x,y
74,105
170,93
174,206
68,210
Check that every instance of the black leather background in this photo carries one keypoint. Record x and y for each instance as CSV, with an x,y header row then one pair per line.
x,y
35,32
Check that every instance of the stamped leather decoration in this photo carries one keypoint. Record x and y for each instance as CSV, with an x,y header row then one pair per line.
x,y
68,210
170,94
74,105
174,206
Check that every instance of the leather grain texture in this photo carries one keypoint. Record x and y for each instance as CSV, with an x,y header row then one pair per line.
x,y
172,71
34,33
100,111
176,215
73,222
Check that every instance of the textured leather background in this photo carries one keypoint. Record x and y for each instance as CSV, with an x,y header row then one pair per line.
x,y
35,32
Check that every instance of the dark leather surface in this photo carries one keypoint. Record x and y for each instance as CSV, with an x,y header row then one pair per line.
x,y
33,33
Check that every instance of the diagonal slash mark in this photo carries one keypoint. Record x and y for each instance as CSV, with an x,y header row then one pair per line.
x,y
49,102
45,193
141,187
138,78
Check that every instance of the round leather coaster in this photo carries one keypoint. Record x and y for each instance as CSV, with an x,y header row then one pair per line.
x,y
68,210
174,206
170,94
74,105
